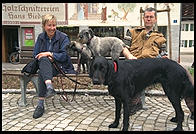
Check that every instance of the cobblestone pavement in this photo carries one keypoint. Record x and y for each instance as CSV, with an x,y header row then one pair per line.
x,y
87,113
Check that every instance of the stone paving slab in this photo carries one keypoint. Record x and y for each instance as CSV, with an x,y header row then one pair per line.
x,y
87,113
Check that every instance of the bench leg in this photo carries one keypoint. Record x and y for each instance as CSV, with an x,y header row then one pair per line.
x,y
143,100
23,86
34,79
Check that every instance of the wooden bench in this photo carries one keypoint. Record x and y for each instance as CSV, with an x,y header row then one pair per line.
x,y
24,80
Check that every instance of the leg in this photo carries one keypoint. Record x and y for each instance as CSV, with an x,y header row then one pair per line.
x,y
179,117
117,113
83,68
125,115
45,75
190,105
135,104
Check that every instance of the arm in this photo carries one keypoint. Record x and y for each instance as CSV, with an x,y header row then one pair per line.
x,y
127,40
36,48
127,54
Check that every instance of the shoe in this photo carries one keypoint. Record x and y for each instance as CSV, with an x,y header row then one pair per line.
x,y
51,92
39,111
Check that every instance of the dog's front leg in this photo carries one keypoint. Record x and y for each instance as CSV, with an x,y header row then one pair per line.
x,y
117,113
125,115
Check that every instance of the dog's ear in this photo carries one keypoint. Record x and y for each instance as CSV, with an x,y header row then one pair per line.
x,y
91,32
109,71
91,70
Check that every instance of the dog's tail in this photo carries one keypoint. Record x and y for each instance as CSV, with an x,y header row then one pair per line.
x,y
188,86
188,93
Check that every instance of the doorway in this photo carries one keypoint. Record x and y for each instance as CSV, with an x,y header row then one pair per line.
x,y
10,41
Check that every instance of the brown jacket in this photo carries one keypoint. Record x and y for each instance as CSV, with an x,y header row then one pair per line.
x,y
143,46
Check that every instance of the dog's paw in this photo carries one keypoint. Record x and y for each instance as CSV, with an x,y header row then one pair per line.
x,y
125,129
178,129
113,125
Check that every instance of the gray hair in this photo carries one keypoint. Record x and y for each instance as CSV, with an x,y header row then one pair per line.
x,y
150,9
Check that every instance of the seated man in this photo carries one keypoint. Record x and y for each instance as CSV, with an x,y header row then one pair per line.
x,y
144,42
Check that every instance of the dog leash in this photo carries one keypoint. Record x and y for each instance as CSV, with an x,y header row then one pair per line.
x,y
64,74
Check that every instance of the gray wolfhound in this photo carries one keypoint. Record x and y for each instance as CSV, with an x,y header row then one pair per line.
x,y
101,46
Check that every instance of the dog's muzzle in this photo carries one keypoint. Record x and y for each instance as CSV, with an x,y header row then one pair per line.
x,y
96,81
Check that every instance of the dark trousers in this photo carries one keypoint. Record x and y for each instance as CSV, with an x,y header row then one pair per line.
x,y
46,72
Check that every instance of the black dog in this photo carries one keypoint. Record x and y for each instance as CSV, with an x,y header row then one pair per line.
x,y
126,78
82,54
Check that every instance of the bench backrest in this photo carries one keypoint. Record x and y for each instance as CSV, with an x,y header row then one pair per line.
x,y
26,55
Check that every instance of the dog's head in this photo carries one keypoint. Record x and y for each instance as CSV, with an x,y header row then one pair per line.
x,y
85,36
99,69
75,46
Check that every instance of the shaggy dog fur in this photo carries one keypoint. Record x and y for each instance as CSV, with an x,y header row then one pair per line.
x,y
132,76
101,46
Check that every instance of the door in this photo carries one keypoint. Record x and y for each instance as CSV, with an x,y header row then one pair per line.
x,y
9,42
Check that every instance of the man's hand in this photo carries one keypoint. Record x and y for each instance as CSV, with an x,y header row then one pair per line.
x,y
43,54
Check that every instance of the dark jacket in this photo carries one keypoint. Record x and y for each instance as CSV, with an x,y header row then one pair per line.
x,y
57,45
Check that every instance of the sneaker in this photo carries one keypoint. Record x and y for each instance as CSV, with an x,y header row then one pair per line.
x,y
38,112
51,92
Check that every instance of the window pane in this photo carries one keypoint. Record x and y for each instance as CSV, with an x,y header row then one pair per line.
x,y
185,44
182,43
191,27
182,27
187,27
190,43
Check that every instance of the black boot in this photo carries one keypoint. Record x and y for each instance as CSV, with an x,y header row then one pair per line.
x,y
39,111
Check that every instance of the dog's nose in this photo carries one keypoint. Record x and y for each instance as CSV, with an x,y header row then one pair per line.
x,y
80,36
96,81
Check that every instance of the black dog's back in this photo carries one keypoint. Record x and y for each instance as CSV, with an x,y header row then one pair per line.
x,y
158,70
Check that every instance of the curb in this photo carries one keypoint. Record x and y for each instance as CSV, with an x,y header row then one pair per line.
x,y
82,92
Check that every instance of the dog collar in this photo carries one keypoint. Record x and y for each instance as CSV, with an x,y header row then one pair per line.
x,y
115,66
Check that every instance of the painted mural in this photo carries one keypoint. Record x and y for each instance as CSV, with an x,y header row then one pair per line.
x,y
115,13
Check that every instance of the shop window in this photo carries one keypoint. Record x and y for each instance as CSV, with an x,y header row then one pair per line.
x,y
28,37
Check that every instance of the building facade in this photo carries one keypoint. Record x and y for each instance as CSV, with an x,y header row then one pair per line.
x,y
187,28
21,22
